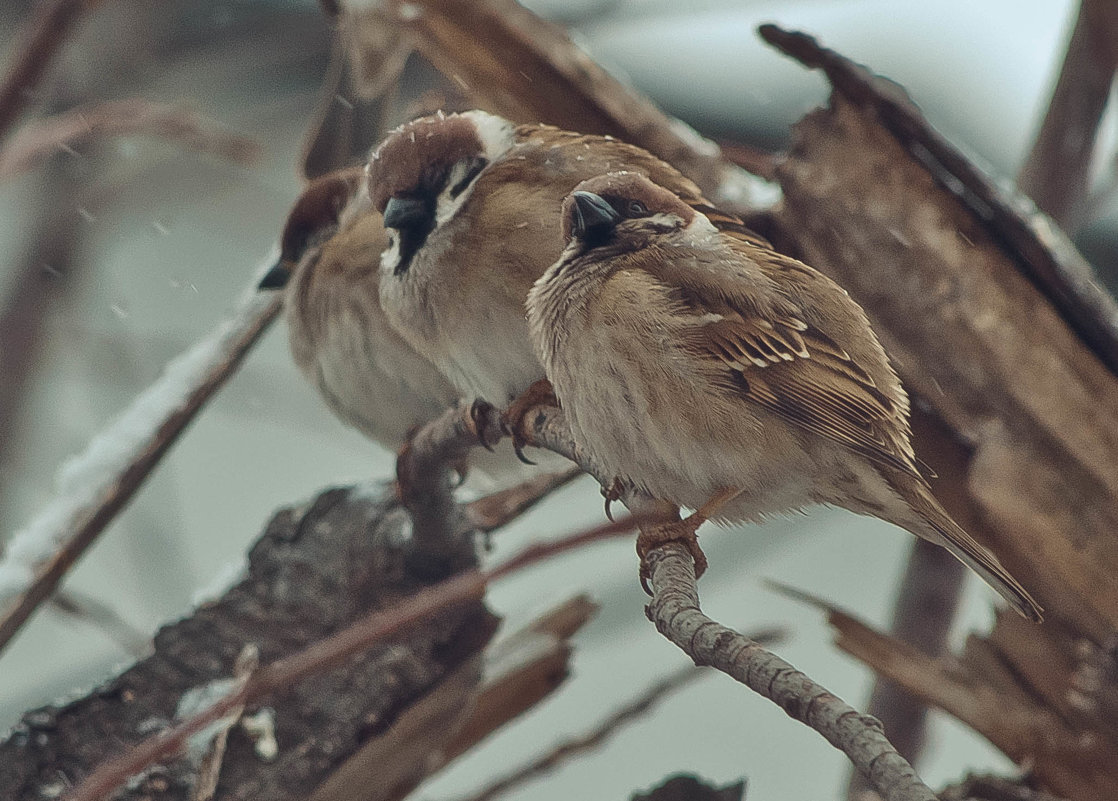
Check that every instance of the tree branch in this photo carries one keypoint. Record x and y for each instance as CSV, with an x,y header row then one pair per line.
x,y
40,139
94,486
35,47
1055,174
331,652
675,608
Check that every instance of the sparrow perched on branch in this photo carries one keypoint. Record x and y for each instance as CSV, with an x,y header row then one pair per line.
x,y
340,338
472,205
704,369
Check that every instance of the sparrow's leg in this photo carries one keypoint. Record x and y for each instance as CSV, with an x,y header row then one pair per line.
x,y
540,393
683,531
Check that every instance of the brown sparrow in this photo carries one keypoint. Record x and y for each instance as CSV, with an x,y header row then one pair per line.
x,y
339,336
706,370
472,205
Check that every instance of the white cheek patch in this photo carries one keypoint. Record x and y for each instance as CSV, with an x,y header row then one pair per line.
x,y
390,257
447,206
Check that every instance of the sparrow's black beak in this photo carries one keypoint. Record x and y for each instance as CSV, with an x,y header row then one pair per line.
x,y
277,277
594,218
403,212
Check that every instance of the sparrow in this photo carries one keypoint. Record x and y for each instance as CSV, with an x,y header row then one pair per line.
x,y
706,370
340,338
472,203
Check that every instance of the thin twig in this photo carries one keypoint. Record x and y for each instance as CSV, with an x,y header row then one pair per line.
x,y
41,276
94,486
1055,174
39,139
500,508
36,46
330,652
92,612
583,743
592,739
922,617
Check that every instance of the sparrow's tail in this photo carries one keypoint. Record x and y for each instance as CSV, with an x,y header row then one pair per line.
x,y
942,530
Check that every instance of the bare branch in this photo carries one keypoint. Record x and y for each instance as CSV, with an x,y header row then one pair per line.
x,y
596,736
1055,174
569,749
493,511
94,486
36,45
95,613
674,609
40,139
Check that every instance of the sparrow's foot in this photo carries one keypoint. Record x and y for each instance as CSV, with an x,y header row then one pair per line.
x,y
539,394
485,423
656,534
683,531
612,493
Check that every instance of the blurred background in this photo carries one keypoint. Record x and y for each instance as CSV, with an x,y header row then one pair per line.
x,y
124,251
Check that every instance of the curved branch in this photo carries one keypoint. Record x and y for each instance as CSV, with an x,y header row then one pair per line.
x,y
675,610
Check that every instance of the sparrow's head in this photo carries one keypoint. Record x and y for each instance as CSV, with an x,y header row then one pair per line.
x,y
313,218
621,210
423,172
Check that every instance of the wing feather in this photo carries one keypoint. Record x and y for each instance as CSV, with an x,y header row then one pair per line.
x,y
777,359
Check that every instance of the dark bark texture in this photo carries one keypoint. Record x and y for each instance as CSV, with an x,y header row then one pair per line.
x,y
313,571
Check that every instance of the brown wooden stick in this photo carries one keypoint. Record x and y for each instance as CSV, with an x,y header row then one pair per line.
x,y
500,508
37,43
1055,174
39,139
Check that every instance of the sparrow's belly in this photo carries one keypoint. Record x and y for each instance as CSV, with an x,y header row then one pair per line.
x,y
492,359
385,392
663,427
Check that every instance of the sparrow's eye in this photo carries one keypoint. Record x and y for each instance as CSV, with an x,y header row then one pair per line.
x,y
637,209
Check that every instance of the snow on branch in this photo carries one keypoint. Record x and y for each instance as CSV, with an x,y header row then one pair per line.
x,y
91,487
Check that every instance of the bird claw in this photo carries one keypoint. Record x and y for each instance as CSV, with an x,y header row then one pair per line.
x,y
481,422
612,493
540,393
518,449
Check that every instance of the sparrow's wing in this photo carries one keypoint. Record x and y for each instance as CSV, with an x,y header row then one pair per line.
x,y
775,357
